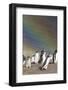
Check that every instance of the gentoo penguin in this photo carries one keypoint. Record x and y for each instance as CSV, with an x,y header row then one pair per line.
x,y
45,64
24,60
40,59
33,59
55,56
36,57
28,62
43,58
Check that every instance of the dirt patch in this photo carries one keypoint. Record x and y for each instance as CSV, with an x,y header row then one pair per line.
x,y
52,68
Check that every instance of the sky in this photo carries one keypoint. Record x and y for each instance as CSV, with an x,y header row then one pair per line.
x,y
39,32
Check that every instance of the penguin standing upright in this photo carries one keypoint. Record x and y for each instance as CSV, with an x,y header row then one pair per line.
x,y
55,56
40,58
24,60
45,64
28,62
43,58
33,59
36,57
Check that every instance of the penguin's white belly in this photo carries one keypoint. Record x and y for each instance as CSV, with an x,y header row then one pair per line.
x,y
47,62
43,59
33,59
24,62
56,58
28,64
36,58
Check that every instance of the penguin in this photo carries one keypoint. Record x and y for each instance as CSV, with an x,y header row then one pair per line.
x,y
24,60
36,57
40,58
46,63
28,62
55,56
43,58
33,59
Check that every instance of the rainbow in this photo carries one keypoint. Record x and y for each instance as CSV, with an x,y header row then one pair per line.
x,y
39,32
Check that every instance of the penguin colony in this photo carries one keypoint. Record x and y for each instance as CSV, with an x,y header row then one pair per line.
x,y
43,58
